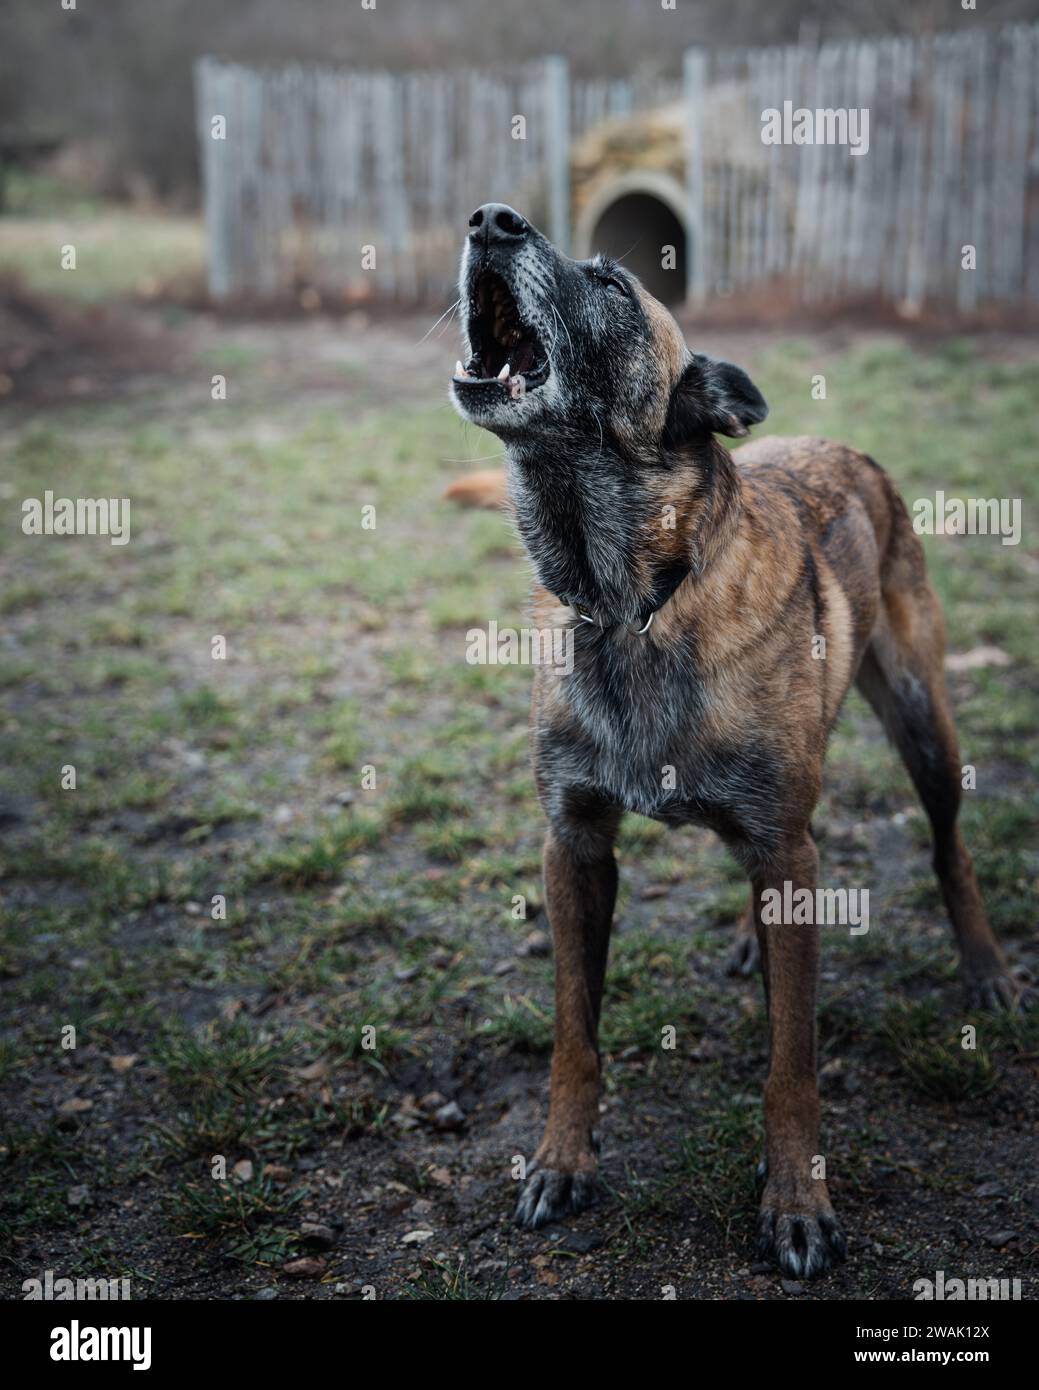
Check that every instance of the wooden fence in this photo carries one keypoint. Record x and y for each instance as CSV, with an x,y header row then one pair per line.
x,y
953,163
316,165
311,167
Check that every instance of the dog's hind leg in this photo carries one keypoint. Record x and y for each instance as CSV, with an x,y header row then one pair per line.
x,y
580,890
745,956
902,676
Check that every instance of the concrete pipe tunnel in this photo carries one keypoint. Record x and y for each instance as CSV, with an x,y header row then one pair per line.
x,y
635,221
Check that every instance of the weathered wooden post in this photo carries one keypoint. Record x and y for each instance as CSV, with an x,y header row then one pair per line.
x,y
213,159
694,83
557,149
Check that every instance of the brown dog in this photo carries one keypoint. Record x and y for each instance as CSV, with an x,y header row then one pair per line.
x,y
721,607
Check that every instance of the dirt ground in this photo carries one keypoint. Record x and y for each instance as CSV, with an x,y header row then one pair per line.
x,y
221,1128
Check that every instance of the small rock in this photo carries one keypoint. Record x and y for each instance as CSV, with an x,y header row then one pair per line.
x,y
79,1196
990,1189
277,1172
762,1267
791,1286
75,1106
655,890
314,1233
1000,1238
416,1237
432,1100
580,1242
306,1268
243,1170
265,1295
316,1071
449,1117
535,943
441,1176
123,1062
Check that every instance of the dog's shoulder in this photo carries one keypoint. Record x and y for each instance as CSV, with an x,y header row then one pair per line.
x,y
823,475
804,455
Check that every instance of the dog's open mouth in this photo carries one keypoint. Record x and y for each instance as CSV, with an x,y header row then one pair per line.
x,y
503,349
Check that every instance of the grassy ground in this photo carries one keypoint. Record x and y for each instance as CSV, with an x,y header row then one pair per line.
x,y
357,798
118,249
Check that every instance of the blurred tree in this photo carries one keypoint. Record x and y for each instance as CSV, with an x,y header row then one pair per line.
x,y
120,71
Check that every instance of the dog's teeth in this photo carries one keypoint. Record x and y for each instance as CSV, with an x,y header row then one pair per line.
x,y
459,369
505,372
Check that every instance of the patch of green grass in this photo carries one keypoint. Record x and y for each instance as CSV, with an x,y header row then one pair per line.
x,y
231,1057
719,1161
932,1059
444,1284
240,1216
119,251
40,1164
343,746
520,1024
1003,837
370,1037
323,859
647,992
452,840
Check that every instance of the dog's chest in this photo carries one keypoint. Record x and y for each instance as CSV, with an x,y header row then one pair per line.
x,y
638,724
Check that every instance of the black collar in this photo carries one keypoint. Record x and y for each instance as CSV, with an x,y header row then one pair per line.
x,y
663,589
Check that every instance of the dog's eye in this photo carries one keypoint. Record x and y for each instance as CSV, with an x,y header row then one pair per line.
x,y
608,281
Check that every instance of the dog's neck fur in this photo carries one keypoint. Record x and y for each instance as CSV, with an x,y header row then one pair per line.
x,y
615,537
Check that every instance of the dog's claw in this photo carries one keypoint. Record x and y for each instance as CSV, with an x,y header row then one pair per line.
x,y
550,1194
803,1244
745,956
1001,993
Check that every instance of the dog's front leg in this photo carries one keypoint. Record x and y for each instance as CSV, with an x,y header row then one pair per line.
x,y
580,889
797,1225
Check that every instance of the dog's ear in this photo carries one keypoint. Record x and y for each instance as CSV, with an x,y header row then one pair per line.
x,y
712,398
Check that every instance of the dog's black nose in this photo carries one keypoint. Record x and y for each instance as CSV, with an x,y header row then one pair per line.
x,y
497,224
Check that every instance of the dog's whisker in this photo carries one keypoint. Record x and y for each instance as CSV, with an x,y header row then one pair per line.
x,y
563,327
450,310
480,458
595,413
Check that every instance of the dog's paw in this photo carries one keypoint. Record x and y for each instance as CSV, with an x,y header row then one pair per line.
x,y
745,956
1001,993
804,1244
550,1194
